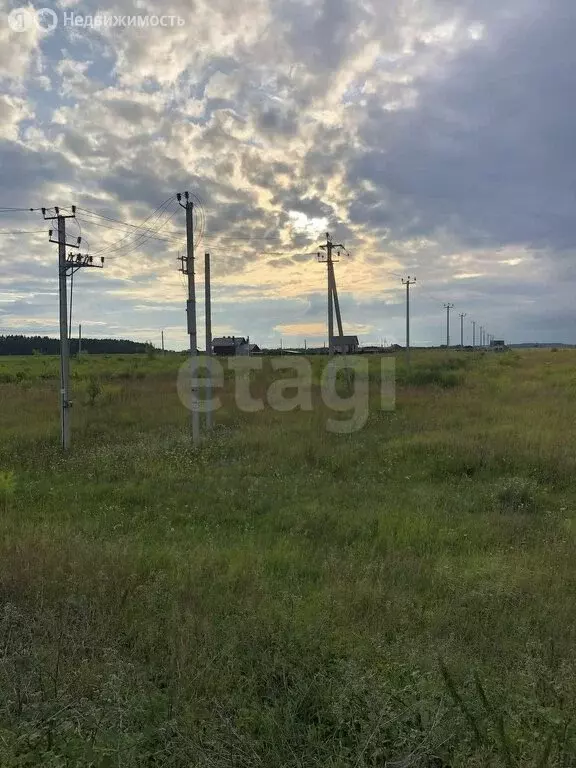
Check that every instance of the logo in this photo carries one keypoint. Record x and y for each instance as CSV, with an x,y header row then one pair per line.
x,y
23,19
47,19
346,387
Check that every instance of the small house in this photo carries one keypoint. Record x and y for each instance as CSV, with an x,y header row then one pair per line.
x,y
346,345
230,346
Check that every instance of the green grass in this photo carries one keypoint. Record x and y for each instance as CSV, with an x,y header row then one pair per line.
x,y
283,596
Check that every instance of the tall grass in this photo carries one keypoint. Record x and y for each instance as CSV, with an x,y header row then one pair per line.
x,y
280,596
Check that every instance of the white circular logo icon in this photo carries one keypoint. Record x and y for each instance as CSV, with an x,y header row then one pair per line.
x,y
22,19
47,19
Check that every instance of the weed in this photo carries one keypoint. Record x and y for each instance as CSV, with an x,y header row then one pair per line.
x,y
93,390
7,487
516,494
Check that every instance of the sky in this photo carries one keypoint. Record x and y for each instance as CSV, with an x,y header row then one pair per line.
x,y
433,138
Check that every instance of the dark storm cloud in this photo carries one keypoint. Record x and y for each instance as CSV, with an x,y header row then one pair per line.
x,y
273,122
319,35
313,207
131,111
25,171
488,149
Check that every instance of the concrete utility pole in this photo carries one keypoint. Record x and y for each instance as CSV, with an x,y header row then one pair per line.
x,y
328,258
188,269
336,301
208,312
67,265
473,333
408,282
448,307
481,336
462,316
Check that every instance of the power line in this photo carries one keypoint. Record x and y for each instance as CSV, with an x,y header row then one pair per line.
x,y
126,238
131,247
167,238
19,210
23,232
158,212
126,224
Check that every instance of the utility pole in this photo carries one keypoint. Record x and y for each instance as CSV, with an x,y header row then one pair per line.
x,y
473,333
328,258
448,307
408,282
67,265
336,300
481,336
163,351
208,313
188,269
462,316
79,340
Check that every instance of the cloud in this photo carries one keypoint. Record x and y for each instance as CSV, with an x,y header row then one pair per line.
x,y
483,151
18,50
429,137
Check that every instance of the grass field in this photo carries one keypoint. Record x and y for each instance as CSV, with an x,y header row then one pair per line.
x,y
283,596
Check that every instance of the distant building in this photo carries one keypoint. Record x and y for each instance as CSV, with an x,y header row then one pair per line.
x,y
498,345
230,346
254,349
389,350
346,345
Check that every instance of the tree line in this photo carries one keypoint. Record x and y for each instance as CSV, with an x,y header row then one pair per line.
x,y
44,345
